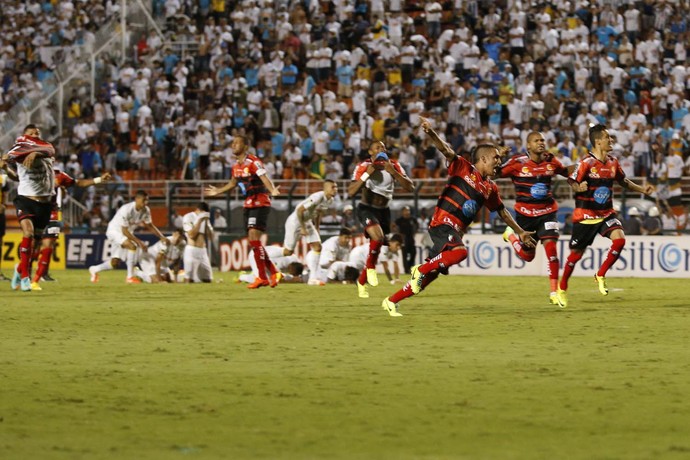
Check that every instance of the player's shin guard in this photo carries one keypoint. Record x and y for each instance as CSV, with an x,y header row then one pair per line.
x,y
272,270
312,260
131,262
259,258
552,258
43,263
374,249
525,254
570,263
24,267
613,255
444,260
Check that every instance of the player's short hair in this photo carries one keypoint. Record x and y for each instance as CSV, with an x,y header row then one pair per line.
x,y
30,126
482,150
203,206
532,134
345,231
295,268
596,132
244,138
397,237
142,193
329,181
351,274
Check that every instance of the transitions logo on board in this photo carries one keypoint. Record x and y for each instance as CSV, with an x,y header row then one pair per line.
x,y
671,257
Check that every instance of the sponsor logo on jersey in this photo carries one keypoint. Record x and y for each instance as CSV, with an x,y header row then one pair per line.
x,y
602,195
539,191
470,208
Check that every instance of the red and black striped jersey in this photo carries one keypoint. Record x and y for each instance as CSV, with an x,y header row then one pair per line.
x,y
532,182
248,173
464,194
597,201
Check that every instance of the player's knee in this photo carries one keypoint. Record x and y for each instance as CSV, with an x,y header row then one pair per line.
x,y
458,255
528,256
618,245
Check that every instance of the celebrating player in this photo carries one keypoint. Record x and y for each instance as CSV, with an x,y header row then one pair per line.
x,y
161,262
467,190
33,158
376,177
304,221
594,214
250,171
124,243
535,208
197,228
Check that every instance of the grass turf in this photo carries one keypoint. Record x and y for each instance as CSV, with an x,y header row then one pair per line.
x,y
478,368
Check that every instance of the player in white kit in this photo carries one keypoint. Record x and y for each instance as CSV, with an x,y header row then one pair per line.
x,y
197,227
289,266
120,234
334,249
304,222
161,262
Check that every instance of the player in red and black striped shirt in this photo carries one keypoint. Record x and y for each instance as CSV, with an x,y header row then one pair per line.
x,y
535,208
250,172
594,214
469,188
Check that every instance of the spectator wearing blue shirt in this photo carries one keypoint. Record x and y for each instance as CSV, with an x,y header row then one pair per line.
x,y
494,110
277,143
344,72
604,33
289,74
251,74
336,139
679,111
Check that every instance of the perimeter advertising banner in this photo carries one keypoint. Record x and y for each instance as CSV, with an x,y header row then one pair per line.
x,y
81,251
10,245
643,256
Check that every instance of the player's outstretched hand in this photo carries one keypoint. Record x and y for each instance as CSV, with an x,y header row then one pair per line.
x,y
425,125
211,191
649,189
528,239
106,177
275,191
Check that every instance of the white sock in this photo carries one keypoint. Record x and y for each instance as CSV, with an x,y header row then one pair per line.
x,y
131,262
105,265
312,260
247,278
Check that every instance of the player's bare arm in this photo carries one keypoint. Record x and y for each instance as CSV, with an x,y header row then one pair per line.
x,y
401,179
356,185
4,165
577,186
105,177
302,221
160,258
215,191
525,236
439,143
647,189
153,229
194,232
272,189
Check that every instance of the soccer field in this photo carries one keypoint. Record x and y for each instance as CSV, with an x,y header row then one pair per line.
x,y
478,368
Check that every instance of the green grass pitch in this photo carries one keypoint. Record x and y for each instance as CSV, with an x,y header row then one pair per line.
x,y
478,368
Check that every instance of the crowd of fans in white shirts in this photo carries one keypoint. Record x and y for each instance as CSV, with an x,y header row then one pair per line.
x,y
311,83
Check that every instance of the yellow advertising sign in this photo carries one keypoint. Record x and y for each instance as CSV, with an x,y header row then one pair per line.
x,y
10,243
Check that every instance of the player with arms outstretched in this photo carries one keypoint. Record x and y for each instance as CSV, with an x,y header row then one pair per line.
x,y
593,181
376,177
469,188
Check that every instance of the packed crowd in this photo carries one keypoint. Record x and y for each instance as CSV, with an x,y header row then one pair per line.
x,y
311,83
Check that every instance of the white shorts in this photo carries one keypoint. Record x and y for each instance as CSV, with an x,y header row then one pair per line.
x,y
116,240
148,269
293,235
197,265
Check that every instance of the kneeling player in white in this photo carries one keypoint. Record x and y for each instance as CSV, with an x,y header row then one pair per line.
x,y
197,265
336,248
389,255
289,266
123,243
304,222
157,261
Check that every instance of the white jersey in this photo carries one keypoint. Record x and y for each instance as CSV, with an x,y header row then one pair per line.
x,y
275,253
128,216
37,181
358,256
332,251
172,253
314,204
190,219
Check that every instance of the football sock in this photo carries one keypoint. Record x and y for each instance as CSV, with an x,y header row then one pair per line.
x,y
552,266
43,263
613,255
525,254
406,291
362,276
269,263
25,257
312,260
131,262
374,249
105,265
570,263
444,260
259,258
247,278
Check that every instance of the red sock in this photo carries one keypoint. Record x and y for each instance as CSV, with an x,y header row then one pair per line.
x,y
269,263
444,260
362,276
552,257
259,258
43,263
374,249
36,252
25,257
525,254
573,258
613,255
406,292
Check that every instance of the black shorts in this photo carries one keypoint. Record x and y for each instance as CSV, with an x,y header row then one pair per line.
x,y
584,234
445,238
369,215
37,211
3,224
546,226
256,218
53,229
